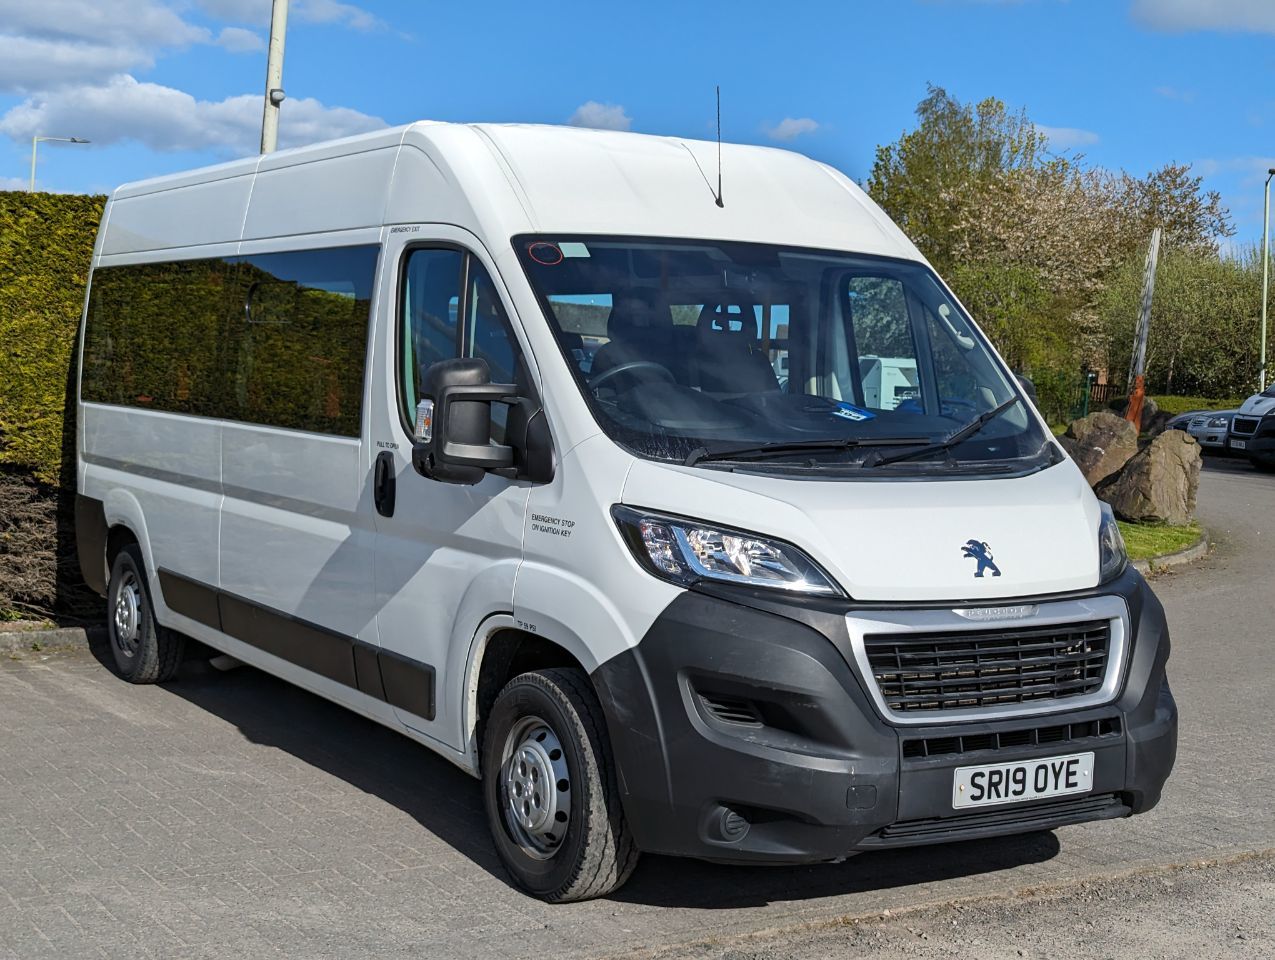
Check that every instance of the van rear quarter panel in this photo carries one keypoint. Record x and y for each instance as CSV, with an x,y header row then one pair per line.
x,y
159,474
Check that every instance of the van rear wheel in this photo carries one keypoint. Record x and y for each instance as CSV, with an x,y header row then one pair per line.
x,y
550,789
144,651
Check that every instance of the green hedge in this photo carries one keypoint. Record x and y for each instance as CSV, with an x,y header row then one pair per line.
x,y
46,244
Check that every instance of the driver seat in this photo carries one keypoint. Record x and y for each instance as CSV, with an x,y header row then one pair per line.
x,y
640,328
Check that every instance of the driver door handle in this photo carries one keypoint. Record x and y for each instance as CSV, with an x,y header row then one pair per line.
x,y
384,483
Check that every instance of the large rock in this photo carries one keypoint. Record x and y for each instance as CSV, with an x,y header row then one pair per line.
x,y
1159,483
1101,444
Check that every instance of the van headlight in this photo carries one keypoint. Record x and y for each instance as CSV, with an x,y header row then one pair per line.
x,y
685,551
1112,557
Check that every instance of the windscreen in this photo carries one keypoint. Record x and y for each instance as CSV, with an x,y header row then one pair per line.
x,y
698,350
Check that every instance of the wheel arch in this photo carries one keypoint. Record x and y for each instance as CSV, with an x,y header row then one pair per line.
x,y
503,649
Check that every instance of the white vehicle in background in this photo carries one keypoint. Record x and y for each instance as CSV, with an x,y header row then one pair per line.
x,y
888,381
702,527
1253,429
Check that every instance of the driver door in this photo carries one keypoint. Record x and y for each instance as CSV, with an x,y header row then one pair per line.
x,y
446,554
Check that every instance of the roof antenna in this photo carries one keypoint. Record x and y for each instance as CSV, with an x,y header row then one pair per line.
x,y
719,146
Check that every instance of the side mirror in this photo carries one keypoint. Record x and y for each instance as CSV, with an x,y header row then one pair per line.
x,y
453,428
1028,386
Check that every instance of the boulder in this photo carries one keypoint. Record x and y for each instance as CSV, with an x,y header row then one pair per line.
x,y
1101,444
1159,483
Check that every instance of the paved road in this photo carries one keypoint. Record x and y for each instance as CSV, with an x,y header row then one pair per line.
x,y
234,816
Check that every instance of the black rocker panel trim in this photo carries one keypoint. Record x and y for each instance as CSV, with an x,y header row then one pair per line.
x,y
190,598
390,677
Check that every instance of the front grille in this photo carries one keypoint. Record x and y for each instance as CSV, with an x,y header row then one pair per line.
x,y
971,669
1244,426
978,743
1019,819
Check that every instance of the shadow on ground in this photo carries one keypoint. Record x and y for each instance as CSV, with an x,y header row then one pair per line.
x,y
447,802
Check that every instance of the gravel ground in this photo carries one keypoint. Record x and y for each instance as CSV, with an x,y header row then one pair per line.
x,y
1210,909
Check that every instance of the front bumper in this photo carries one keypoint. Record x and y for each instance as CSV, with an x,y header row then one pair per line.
x,y
1261,445
741,732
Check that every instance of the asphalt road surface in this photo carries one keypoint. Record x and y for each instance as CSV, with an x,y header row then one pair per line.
x,y
233,816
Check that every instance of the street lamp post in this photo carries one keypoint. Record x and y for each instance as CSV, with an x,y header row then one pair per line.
x,y
35,141
1266,264
274,76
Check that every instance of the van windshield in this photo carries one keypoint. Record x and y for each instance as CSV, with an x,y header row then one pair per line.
x,y
714,353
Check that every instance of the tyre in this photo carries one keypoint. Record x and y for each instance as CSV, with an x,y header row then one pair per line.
x,y
550,789
144,651
1265,466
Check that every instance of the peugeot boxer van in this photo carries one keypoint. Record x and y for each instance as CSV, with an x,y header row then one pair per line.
x,y
529,443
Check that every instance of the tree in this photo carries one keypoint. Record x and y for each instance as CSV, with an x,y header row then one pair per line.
x,y
1030,239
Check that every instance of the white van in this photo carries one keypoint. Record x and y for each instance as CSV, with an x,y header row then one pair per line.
x,y
478,431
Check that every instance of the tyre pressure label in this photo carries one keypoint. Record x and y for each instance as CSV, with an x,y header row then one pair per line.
x,y
554,526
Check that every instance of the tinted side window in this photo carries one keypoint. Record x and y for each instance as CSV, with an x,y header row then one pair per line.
x,y
155,336
277,339
301,342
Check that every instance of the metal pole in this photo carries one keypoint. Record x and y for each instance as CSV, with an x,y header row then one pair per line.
x,y
36,140
1266,263
274,77
1138,363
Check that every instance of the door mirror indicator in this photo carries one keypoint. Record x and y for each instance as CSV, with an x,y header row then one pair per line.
x,y
454,427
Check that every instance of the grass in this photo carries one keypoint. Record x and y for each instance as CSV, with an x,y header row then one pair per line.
x,y
1146,541
1176,405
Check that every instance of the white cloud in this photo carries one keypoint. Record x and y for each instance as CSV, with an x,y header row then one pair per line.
x,y
166,119
790,128
306,11
332,11
1065,138
33,63
131,23
13,183
239,40
1181,16
601,116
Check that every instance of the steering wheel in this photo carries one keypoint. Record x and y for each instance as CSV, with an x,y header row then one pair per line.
x,y
661,371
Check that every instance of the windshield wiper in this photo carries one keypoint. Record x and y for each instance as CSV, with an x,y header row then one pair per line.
x,y
948,442
758,451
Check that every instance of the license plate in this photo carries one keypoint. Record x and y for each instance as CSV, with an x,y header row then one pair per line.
x,y
1022,780
1239,444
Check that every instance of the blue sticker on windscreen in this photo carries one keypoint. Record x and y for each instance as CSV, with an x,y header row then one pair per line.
x,y
848,411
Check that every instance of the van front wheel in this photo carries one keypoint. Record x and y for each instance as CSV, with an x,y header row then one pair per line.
x,y
550,789
144,651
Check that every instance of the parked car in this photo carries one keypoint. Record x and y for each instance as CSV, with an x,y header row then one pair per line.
x,y
1252,431
1183,420
1210,428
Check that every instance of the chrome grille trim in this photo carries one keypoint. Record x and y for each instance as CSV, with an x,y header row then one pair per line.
x,y
1245,426
1061,613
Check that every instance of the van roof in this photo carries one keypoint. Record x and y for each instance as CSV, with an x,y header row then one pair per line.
x,y
498,180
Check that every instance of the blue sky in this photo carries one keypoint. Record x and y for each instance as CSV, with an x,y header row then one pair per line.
x,y
163,85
